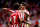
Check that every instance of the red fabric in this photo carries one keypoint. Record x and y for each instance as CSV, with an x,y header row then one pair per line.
x,y
1,14
37,23
16,18
27,12
8,19
0,25
10,10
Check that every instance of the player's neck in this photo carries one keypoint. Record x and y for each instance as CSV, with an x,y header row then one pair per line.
x,y
18,9
23,9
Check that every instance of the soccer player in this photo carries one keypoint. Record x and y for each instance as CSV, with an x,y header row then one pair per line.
x,y
25,13
15,18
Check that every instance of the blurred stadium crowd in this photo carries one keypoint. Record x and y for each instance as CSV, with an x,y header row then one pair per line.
x,y
32,7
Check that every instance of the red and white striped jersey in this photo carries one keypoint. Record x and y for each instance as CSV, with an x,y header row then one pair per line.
x,y
15,16
25,11
24,16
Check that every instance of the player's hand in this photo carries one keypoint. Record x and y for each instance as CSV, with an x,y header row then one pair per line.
x,y
29,22
4,8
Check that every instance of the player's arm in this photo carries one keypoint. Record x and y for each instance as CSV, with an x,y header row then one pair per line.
x,y
27,15
28,19
7,9
27,22
21,20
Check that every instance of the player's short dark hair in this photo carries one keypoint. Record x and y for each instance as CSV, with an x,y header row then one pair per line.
x,y
23,3
16,6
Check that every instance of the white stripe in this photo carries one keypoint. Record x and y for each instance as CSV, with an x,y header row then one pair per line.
x,y
21,14
11,19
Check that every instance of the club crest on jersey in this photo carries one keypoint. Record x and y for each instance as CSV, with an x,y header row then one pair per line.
x,y
15,11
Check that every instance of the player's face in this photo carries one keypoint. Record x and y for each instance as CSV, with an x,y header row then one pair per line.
x,y
22,7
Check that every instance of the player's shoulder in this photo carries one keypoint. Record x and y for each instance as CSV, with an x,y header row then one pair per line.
x,y
27,12
12,13
17,10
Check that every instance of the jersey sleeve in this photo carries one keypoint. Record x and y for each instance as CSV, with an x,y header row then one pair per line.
x,y
27,12
10,10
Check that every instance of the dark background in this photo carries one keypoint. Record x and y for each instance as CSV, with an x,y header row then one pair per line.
x,y
13,1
